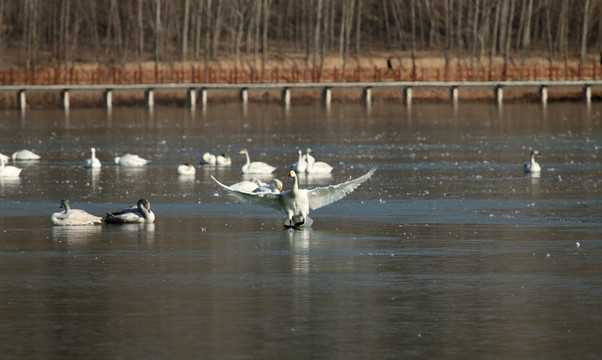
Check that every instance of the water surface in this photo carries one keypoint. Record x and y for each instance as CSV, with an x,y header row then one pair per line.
x,y
449,250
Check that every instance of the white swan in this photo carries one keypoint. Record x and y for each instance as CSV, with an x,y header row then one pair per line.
x,y
25,155
92,162
316,167
223,160
247,185
301,165
275,187
532,166
8,170
308,158
139,213
296,202
208,159
129,160
186,169
255,167
73,217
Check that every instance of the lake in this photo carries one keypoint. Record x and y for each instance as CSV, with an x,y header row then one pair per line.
x,y
448,251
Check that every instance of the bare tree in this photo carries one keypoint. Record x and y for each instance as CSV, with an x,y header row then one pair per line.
x,y
158,31
185,29
317,34
216,28
584,31
140,31
527,31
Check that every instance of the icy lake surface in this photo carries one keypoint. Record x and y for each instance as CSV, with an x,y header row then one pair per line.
x,y
448,251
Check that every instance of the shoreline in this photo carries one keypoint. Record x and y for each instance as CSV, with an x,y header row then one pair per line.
x,y
89,99
375,62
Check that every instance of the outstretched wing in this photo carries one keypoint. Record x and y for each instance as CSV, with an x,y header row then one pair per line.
x,y
270,200
323,196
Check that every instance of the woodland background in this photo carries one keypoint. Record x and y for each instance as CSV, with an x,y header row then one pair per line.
x,y
253,33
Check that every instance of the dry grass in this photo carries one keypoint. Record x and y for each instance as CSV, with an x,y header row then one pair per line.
x,y
369,60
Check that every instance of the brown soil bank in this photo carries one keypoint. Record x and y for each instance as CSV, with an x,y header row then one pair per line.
x,y
293,68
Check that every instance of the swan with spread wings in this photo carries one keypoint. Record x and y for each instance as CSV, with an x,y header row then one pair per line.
x,y
296,202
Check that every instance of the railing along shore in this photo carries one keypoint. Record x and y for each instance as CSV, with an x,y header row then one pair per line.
x,y
197,81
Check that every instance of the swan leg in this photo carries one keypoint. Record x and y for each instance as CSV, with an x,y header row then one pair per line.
x,y
290,225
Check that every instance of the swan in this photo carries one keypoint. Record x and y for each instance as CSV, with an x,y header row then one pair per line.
x,y
256,167
4,157
275,187
247,185
8,170
301,165
73,217
316,167
92,162
308,158
223,160
186,169
139,213
532,166
296,202
25,155
208,159
129,160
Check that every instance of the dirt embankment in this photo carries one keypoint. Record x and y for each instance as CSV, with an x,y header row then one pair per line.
x,y
400,61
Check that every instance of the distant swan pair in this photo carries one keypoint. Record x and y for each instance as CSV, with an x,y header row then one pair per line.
x,y
219,160
308,164
139,213
127,160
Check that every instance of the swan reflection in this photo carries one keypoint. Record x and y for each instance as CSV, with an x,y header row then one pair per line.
x,y
75,235
299,240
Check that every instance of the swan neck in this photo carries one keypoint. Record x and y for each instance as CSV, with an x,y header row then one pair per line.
x,y
142,208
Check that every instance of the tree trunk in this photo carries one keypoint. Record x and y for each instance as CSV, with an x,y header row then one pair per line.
x,y
413,21
348,28
358,27
508,33
207,37
140,32
527,32
342,34
387,27
185,29
503,26
216,29
198,25
258,7
158,31
584,31
460,44
549,32
475,34
264,41
317,34
448,31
